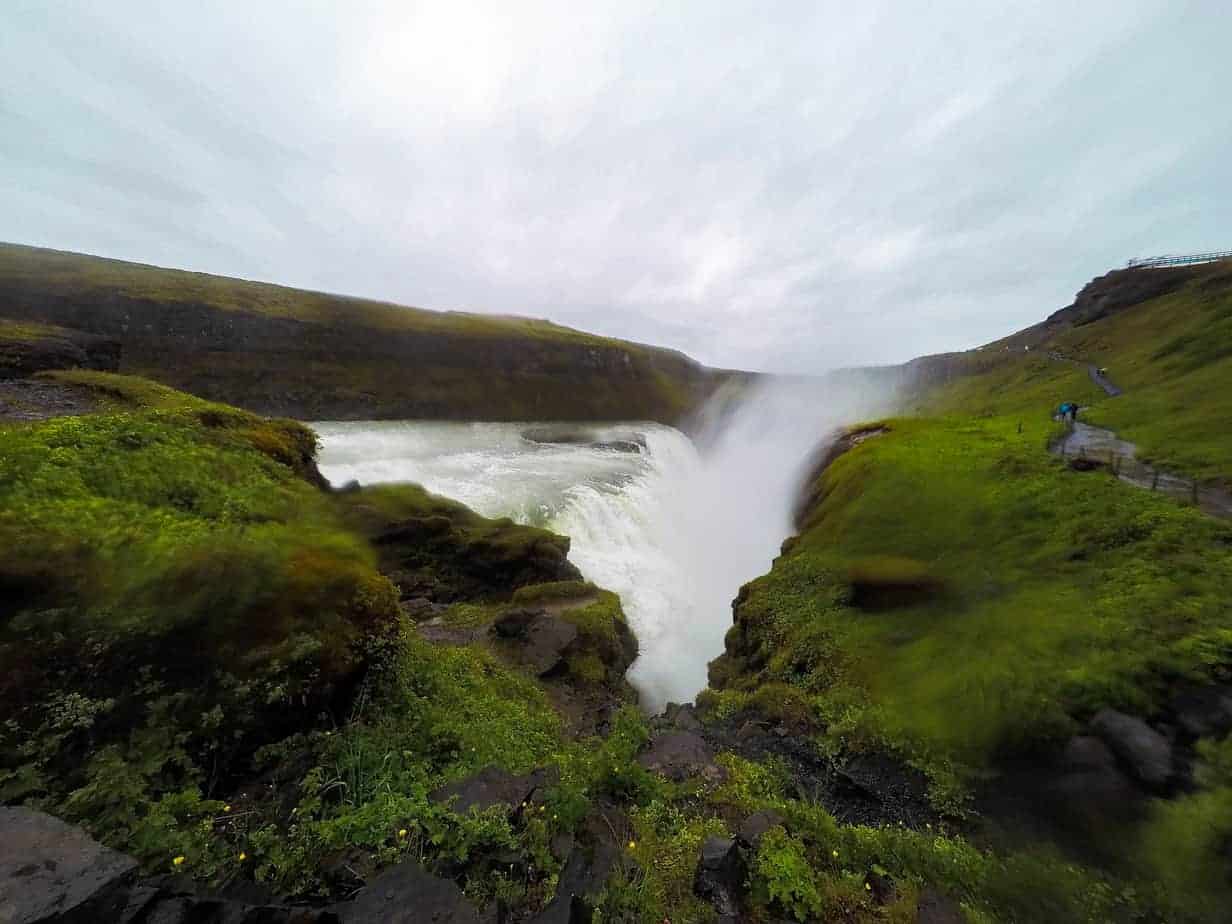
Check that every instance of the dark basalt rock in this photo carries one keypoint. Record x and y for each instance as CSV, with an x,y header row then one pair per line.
x,y
58,348
632,443
515,623
1144,752
681,716
493,786
1204,711
406,894
720,875
541,640
587,870
679,755
935,908
52,871
755,827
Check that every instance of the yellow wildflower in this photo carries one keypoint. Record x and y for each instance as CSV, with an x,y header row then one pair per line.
x,y
243,856
402,832
178,861
226,808
834,853
632,845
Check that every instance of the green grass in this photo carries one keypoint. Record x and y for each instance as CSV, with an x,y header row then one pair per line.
x,y
960,598
1063,592
17,332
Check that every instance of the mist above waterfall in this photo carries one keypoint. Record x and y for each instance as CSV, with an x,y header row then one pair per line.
x,y
674,529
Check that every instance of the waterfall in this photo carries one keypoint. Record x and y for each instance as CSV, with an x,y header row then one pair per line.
x,y
674,529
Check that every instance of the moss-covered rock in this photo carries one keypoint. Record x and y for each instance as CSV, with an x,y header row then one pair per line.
x,y
438,549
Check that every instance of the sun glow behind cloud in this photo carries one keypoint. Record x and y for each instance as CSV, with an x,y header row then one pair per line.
x,y
784,187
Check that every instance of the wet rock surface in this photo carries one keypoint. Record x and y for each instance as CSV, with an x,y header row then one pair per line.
x,y
540,641
629,443
52,871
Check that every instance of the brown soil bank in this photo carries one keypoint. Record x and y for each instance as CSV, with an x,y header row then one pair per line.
x,y
311,355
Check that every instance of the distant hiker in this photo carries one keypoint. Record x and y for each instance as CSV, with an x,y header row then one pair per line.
x,y
1068,411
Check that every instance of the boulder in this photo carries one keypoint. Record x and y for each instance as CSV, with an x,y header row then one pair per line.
x,y
542,641
52,871
407,894
755,827
720,875
679,755
585,874
1089,792
1144,752
493,786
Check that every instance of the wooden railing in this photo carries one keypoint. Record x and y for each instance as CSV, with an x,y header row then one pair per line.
x,y
1179,260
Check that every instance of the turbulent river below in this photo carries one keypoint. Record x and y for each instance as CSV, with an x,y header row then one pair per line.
x,y
674,525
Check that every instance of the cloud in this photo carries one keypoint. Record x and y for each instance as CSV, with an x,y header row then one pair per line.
x,y
786,187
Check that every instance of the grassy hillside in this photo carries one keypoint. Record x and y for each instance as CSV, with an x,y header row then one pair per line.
x,y
1171,353
961,600
316,356
203,655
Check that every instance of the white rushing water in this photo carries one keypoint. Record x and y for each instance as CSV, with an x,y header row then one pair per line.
x,y
674,529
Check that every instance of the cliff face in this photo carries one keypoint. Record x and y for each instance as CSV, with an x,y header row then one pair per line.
x,y
29,348
315,356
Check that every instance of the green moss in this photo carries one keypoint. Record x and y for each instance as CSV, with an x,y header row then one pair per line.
x,y
176,596
555,591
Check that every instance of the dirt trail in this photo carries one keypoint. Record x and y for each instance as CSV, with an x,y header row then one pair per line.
x,y
1103,447
1100,378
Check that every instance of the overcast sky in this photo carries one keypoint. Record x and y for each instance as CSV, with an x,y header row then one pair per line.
x,y
779,186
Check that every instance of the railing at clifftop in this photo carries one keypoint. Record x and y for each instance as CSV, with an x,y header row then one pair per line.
x,y
1146,262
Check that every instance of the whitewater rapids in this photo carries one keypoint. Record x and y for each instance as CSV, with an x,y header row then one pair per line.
x,y
675,528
